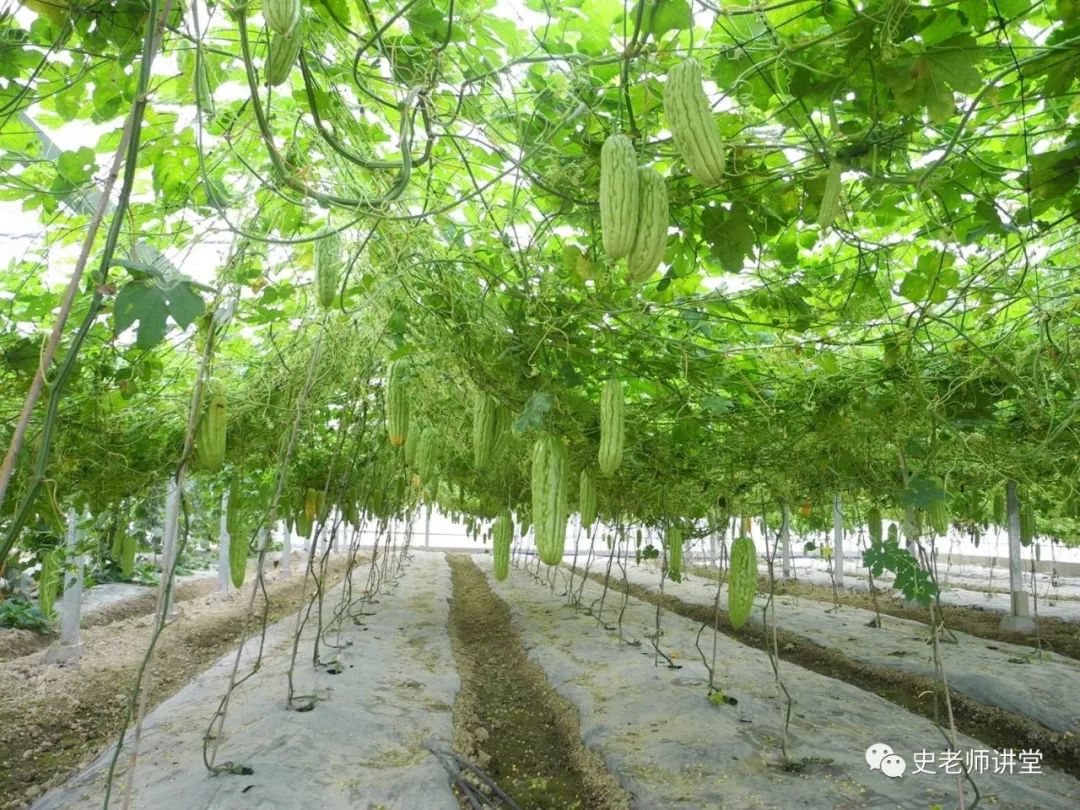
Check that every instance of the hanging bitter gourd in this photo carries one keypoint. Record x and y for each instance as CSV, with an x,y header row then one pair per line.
x,y
611,427
1027,523
999,508
281,56
937,514
397,403
830,198
238,554
49,580
234,510
690,120
873,521
486,424
550,473
327,268
428,456
674,549
742,581
210,433
304,524
281,16
650,242
503,534
412,441
587,499
620,192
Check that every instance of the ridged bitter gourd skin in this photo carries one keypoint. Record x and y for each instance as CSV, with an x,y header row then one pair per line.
x,y
611,427
650,242
281,16
587,499
674,549
742,581
620,191
502,535
873,521
486,427
690,120
397,403
327,264
280,57
210,435
550,474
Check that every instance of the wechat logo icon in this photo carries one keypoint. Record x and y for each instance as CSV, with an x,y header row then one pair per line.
x,y
880,757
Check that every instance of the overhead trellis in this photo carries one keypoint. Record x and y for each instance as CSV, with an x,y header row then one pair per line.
x,y
879,280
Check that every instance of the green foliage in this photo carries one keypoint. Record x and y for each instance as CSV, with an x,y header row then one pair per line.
x,y
914,582
21,614
49,578
931,327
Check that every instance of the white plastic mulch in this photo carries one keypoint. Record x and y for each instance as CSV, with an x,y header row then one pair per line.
x,y
1010,676
672,748
362,746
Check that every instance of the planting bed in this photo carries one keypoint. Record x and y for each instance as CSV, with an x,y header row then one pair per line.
x,y
671,747
386,697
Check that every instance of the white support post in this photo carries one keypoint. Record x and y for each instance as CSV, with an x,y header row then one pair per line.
x,y
785,538
1019,619
712,548
286,550
427,527
70,646
223,573
168,544
838,539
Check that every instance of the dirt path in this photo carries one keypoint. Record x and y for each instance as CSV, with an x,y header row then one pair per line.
x,y
53,718
507,718
999,728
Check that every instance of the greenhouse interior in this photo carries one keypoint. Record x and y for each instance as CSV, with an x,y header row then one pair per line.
x,y
521,405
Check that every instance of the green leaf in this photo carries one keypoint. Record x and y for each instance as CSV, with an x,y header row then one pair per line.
x,y
787,247
928,80
921,492
729,234
77,167
185,305
716,404
534,412
954,60
975,13
142,302
665,15
427,20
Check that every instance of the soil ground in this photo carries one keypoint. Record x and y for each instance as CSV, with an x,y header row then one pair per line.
x,y
17,643
53,718
508,719
918,694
